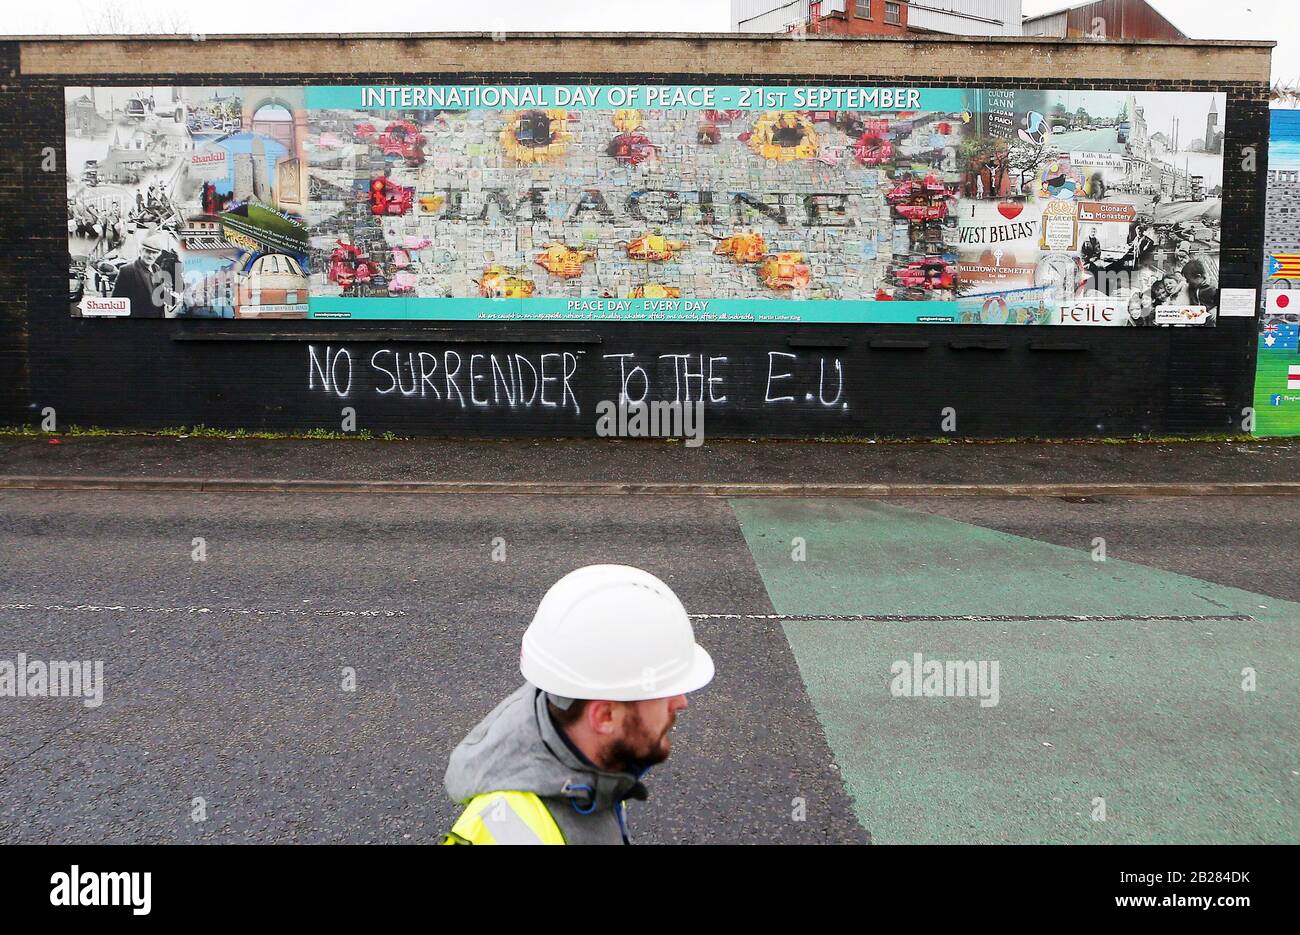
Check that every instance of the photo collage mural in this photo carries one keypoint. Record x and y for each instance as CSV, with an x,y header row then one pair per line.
x,y
187,202
646,203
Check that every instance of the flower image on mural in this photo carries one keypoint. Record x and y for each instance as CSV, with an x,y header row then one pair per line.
x,y
186,202
650,203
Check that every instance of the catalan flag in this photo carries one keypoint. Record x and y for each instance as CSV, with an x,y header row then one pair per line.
x,y
1284,266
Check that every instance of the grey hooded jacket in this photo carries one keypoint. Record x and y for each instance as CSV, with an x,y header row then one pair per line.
x,y
518,748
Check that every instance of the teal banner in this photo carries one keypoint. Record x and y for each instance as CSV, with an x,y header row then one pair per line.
x,y
612,97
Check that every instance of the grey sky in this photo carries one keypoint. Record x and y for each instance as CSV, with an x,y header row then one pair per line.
x,y
1206,19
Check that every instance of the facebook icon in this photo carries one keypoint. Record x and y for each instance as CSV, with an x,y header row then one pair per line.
x,y
1275,399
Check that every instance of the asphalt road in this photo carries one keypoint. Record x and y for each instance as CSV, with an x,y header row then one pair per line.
x,y
1089,141
223,677
242,705
1176,211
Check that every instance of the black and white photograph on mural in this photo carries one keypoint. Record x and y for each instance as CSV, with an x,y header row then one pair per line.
x,y
127,149
185,202
1126,190
1167,264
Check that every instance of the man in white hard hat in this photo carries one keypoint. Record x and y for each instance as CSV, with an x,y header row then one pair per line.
x,y
609,658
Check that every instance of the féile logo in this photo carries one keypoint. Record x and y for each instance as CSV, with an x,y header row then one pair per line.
x,y
76,888
1091,312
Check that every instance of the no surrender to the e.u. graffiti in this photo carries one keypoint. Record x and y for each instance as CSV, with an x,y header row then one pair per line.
x,y
504,379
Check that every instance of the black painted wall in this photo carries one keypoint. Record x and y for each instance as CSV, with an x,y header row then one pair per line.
x,y
896,380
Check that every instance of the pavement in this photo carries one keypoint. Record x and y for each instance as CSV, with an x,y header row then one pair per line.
x,y
1120,681
644,461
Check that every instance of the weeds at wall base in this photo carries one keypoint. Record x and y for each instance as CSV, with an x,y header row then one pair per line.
x,y
203,431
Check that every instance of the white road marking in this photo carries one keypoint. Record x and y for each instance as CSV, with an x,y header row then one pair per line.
x,y
231,611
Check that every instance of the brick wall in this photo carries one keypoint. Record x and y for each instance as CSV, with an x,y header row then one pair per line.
x,y
741,55
852,379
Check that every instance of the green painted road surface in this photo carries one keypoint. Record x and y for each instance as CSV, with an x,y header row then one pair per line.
x,y
1149,715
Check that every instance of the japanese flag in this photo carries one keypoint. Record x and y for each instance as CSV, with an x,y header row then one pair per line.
x,y
1283,300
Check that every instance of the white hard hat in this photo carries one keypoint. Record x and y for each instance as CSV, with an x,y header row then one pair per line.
x,y
613,633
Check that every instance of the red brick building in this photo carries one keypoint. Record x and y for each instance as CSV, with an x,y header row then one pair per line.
x,y
831,17
860,17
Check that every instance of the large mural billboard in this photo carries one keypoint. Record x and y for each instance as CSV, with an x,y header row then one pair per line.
x,y
647,203
1277,367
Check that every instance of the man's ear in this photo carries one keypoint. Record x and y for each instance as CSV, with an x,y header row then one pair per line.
x,y
601,716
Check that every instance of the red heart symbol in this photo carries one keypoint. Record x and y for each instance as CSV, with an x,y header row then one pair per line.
x,y
1010,209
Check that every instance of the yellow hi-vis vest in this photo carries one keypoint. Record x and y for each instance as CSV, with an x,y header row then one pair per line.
x,y
505,818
